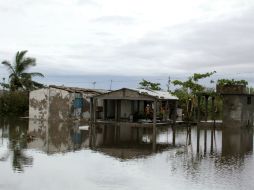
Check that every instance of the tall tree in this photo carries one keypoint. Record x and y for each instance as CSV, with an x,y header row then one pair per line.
x,y
145,84
19,78
188,91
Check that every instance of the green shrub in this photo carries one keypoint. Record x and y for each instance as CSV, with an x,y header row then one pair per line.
x,y
14,103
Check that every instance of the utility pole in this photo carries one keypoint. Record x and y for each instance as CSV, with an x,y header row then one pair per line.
x,y
94,83
111,81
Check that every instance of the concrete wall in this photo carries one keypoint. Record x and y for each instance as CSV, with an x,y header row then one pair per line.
x,y
38,104
58,104
236,111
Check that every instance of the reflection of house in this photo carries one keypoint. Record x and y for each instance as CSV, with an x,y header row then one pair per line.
x,y
124,142
134,105
61,103
55,137
238,106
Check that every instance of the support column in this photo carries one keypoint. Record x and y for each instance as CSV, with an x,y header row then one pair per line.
x,y
213,111
154,124
167,110
206,107
91,109
105,105
212,132
175,113
116,110
199,105
174,135
198,139
94,109
205,141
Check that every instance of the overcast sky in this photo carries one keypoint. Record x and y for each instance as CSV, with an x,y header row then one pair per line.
x,y
144,38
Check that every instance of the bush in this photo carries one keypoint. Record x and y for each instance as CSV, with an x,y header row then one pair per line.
x,y
14,103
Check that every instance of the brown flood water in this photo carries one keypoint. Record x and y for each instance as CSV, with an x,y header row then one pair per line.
x,y
51,155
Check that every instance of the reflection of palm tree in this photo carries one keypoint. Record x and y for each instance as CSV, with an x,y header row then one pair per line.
x,y
19,78
18,142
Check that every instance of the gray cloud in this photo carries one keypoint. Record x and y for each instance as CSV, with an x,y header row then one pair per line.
x,y
225,44
114,19
68,40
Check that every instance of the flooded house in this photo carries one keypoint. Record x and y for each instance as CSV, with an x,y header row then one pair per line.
x,y
238,106
61,103
134,106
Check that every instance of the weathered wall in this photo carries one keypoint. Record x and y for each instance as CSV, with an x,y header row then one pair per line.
x,y
58,104
236,111
247,111
38,104
59,101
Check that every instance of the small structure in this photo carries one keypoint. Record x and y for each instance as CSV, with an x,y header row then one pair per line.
x,y
238,106
134,106
61,103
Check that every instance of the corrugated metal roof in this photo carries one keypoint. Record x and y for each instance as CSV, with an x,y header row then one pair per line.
x,y
157,94
77,89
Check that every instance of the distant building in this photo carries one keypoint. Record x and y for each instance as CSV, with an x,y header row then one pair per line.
x,y
238,106
61,103
134,106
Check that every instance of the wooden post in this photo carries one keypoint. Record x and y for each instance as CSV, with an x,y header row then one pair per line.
x,y
116,110
199,105
105,108
198,138
205,141
206,107
213,111
175,112
94,109
154,124
212,131
91,109
174,135
167,110
189,134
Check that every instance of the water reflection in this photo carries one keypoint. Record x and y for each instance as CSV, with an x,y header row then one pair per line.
x,y
57,137
124,142
186,146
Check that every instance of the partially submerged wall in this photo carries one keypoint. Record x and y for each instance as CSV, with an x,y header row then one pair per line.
x,y
38,104
238,110
58,104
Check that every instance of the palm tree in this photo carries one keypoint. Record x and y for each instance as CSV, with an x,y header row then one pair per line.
x,y
19,78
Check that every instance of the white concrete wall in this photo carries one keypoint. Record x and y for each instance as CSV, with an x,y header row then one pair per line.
x,y
57,104
38,104
60,104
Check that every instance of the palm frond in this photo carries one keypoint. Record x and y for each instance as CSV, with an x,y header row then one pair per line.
x,y
9,66
20,55
26,63
34,74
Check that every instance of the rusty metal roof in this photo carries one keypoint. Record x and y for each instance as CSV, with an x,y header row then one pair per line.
x,y
77,89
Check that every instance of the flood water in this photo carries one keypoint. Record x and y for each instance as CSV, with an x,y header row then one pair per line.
x,y
51,155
